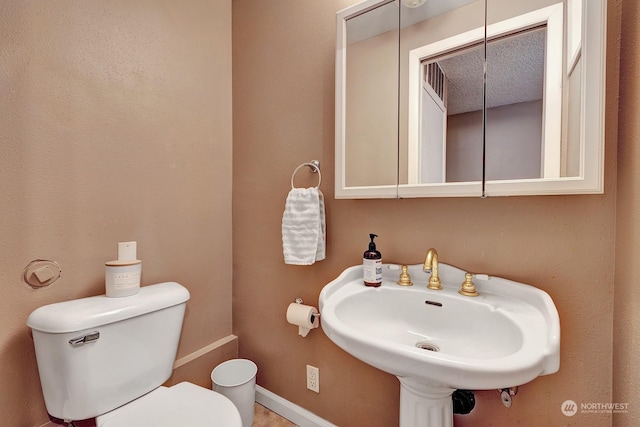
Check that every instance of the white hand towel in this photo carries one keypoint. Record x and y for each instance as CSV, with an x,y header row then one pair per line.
x,y
303,227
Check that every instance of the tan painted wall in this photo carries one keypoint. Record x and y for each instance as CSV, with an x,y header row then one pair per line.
x,y
115,125
283,96
626,331
106,107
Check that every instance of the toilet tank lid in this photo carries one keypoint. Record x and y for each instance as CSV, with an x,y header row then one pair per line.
x,y
80,314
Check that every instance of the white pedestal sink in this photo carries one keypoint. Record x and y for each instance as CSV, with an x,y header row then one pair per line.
x,y
438,341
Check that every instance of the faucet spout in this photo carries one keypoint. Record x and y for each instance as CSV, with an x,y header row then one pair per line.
x,y
431,265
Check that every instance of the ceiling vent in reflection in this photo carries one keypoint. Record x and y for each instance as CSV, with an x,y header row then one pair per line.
x,y
434,77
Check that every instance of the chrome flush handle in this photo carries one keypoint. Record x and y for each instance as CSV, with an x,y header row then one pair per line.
x,y
85,339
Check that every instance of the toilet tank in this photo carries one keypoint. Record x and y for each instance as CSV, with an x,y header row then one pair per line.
x,y
98,353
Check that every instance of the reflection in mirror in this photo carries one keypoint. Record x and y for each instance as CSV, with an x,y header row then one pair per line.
x,y
514,116
371,108
520,117
523,134
449,140
445,85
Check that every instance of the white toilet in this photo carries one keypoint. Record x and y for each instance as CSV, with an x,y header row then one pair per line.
x,y
108,357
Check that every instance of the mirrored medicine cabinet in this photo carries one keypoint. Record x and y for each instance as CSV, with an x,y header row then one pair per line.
x,y
470,98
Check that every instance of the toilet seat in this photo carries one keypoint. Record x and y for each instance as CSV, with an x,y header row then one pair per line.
x,y
184,404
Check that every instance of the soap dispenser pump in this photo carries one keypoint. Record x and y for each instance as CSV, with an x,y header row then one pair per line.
x,y
372,264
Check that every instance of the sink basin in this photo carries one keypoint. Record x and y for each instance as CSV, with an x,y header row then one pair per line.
x,y
439,341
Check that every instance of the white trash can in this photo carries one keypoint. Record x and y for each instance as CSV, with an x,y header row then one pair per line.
x,y
236,379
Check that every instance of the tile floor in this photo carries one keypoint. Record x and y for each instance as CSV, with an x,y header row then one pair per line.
x,y
266,418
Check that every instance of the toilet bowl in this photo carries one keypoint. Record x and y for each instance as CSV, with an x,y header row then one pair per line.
x,y
107,358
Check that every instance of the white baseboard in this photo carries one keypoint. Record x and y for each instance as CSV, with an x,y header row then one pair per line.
x,y
294,413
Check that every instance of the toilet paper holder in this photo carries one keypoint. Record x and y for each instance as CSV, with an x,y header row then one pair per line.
x,y
299,300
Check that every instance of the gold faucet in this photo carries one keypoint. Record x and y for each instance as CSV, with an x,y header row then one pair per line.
x,y
431,265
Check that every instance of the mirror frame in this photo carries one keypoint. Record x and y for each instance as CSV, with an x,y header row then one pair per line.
x,y
592,115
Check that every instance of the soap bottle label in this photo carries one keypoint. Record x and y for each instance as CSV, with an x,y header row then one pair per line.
x,y
372,271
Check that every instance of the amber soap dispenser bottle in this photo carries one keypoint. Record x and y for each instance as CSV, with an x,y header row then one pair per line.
x,y
372,264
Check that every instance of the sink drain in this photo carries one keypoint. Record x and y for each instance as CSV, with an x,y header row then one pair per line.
x,y
427,346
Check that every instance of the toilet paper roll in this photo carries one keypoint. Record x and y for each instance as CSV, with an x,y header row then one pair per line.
x,y
304,317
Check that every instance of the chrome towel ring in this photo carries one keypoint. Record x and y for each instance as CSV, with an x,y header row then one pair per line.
x,y
314,165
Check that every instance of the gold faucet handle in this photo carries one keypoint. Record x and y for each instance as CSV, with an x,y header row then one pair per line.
x,y
405,278
468,287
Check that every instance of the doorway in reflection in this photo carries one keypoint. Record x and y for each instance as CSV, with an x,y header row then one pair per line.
x,y
453,106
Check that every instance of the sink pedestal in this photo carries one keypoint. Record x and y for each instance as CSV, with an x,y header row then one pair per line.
x,y
425,405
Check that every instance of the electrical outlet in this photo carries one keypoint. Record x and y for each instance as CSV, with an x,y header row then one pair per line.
x,y
313,378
